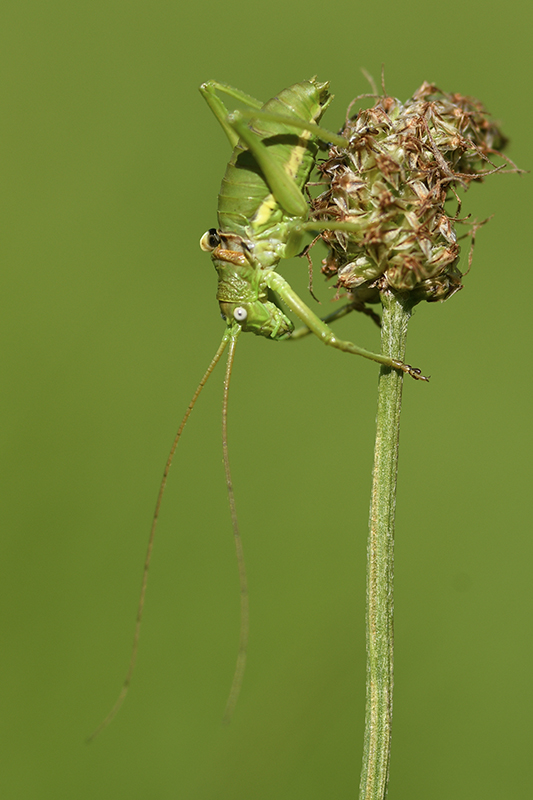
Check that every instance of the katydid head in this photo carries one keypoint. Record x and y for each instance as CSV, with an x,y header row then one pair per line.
x,y
242,291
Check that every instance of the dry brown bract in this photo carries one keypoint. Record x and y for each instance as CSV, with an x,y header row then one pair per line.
x,y
401,166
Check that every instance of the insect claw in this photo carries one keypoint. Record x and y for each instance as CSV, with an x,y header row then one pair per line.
x,y
415,373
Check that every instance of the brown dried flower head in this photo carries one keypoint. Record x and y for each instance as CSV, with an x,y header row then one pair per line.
x,y
403,163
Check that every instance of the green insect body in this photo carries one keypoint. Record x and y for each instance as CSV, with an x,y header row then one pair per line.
x,y
262,216
256,229
263,212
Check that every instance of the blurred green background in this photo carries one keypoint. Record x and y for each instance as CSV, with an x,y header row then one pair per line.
x,y
111,169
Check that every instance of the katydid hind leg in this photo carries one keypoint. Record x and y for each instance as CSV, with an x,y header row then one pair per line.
x,y
140,608
280,183
325,135
211,87
208,91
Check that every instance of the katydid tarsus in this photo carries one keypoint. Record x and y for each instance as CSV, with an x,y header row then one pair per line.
x,y
262,216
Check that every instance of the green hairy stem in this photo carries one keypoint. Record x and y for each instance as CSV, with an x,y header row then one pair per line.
x,y
380,558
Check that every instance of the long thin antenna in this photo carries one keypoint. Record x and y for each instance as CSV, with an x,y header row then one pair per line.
x,y
135,647
243,583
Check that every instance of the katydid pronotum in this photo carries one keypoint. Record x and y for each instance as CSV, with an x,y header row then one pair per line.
x,y
262,215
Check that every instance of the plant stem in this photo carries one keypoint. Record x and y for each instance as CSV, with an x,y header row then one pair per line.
x,y
380,563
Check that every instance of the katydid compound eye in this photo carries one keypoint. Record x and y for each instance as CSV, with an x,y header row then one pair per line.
x,y
240,313
210,240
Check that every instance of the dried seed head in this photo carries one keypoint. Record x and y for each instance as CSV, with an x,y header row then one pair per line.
x,y
401,166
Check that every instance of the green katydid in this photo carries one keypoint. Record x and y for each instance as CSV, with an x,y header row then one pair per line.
x,y
262,215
